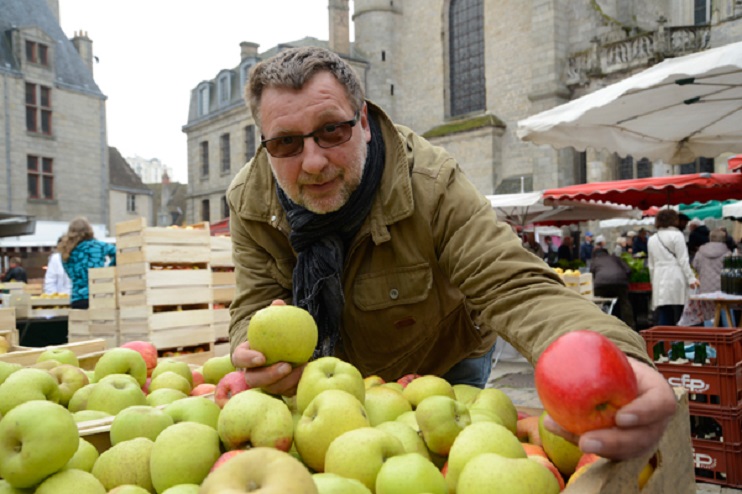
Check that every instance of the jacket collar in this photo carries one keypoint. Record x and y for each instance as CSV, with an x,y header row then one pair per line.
x,y
393,201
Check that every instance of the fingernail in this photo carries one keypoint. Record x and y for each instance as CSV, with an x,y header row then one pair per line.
x,y
284,368
626,419
591,446
257,361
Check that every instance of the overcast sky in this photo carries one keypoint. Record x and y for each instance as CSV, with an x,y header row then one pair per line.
x,y
151,53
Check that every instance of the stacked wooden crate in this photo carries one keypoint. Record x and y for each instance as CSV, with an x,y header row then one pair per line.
x,y
164,285
7,328
223,288
100,320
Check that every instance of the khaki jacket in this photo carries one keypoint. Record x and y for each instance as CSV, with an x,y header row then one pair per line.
x,y
431,278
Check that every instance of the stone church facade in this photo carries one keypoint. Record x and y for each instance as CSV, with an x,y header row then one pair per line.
x,y
464,72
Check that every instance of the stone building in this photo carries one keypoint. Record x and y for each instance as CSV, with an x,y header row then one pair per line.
x,y
128,196
150,170
464,72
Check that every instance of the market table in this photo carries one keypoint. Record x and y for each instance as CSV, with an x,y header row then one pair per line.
x,y
723,304
42,330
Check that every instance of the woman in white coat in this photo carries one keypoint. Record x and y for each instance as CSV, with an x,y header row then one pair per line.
x,y
669,269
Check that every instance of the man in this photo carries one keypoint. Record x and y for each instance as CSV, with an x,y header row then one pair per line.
x,y
565,249
611,280
552,253
683,220
639,245
586,248
15,271
531,245
398,257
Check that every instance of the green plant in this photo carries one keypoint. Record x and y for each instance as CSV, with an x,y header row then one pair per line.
x,y
639,270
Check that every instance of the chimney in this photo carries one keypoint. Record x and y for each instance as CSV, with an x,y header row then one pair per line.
x,y
248,50
339,26
84,47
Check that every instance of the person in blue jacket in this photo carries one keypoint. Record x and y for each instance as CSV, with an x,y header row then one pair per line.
x,y
81,251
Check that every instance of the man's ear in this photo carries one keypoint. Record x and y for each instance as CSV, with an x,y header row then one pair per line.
x,y
364,123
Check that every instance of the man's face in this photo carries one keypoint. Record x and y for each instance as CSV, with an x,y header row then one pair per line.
x,y
321,180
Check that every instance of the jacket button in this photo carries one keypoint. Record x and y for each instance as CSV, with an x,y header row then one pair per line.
x,y
394,294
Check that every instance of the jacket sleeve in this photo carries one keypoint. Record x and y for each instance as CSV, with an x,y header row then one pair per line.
x,y
110,251
681,253
511,292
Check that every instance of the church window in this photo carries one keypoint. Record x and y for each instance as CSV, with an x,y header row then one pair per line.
x,y
466,52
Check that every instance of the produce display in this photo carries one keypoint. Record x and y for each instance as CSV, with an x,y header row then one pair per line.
x,y
178,428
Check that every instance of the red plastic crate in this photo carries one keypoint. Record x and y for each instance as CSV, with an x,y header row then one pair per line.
x,y
719,463
710,387
726,341
723,424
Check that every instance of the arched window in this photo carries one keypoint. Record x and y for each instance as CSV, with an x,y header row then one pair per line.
x,y
224,87
466,56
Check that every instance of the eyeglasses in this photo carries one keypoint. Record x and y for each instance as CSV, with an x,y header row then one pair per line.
x,y
327,136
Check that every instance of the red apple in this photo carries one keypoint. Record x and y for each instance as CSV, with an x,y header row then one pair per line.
x,y
583,379
145,387
226,456
534,450
148,351
586,459
527,430
198,378
228,386
444,469
407,379
203,389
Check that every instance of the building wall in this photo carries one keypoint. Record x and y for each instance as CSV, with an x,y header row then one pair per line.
x,y
118,200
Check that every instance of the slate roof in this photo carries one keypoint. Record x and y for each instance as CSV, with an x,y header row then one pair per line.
x,y
121,176
70,69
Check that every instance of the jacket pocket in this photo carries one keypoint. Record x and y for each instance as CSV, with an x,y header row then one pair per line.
x,y
402,286
282,270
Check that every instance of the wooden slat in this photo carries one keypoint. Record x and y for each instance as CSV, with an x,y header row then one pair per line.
x,y
95,274
130,226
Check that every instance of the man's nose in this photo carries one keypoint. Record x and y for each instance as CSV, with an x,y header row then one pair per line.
x,y
313,157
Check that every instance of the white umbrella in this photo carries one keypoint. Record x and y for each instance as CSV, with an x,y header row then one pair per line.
x,y
732,211
676,111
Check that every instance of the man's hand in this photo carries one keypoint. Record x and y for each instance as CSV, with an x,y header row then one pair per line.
x,y
279,378
639,425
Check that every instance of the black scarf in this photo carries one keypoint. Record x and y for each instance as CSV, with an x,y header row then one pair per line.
x,y
320,241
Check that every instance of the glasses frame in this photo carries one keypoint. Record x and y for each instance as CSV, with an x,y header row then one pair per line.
x,y
302,137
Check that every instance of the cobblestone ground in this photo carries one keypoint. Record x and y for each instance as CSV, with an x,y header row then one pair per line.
x,y
514,376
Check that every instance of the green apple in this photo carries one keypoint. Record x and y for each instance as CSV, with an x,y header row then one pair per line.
x,y
114,392
183,489
170,380
360,453
183,454
329,414
411,440
373,381
394,385
139,421
88,415
128,489
122,361
71,482
217,367
126,463
482,437
329,483
38,438
79,400
490,472
69,379
84,458
283,333
409,419
466,393
164,396
441,419
484,415
409,473
497,401
385,404
194,409
27,385
6,488
561,452
328,373
170,365
270,470
61,355
7,368
429,385
45,365
252,419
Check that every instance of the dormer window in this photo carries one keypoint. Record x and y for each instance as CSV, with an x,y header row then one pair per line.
x,y
245,72
224,87
203,99
37,53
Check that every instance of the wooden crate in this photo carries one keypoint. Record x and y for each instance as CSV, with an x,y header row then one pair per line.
x,y
166,329
78,322
7,318
144,284
221,252
223,285
221,349
194,355
102,288
582,284
34,288
221,324
49,307
137,243
88,352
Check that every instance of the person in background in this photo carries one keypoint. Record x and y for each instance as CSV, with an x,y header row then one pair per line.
x,y
611,280
531,245
708,263
728,239
80,251
639,244
551,255
669,269
620,246
56,279
15,271
565,249
698,235
586,248
683,220
630,236
400,260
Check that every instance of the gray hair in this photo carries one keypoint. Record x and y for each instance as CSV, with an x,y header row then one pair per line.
x,y
293,68
717,235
